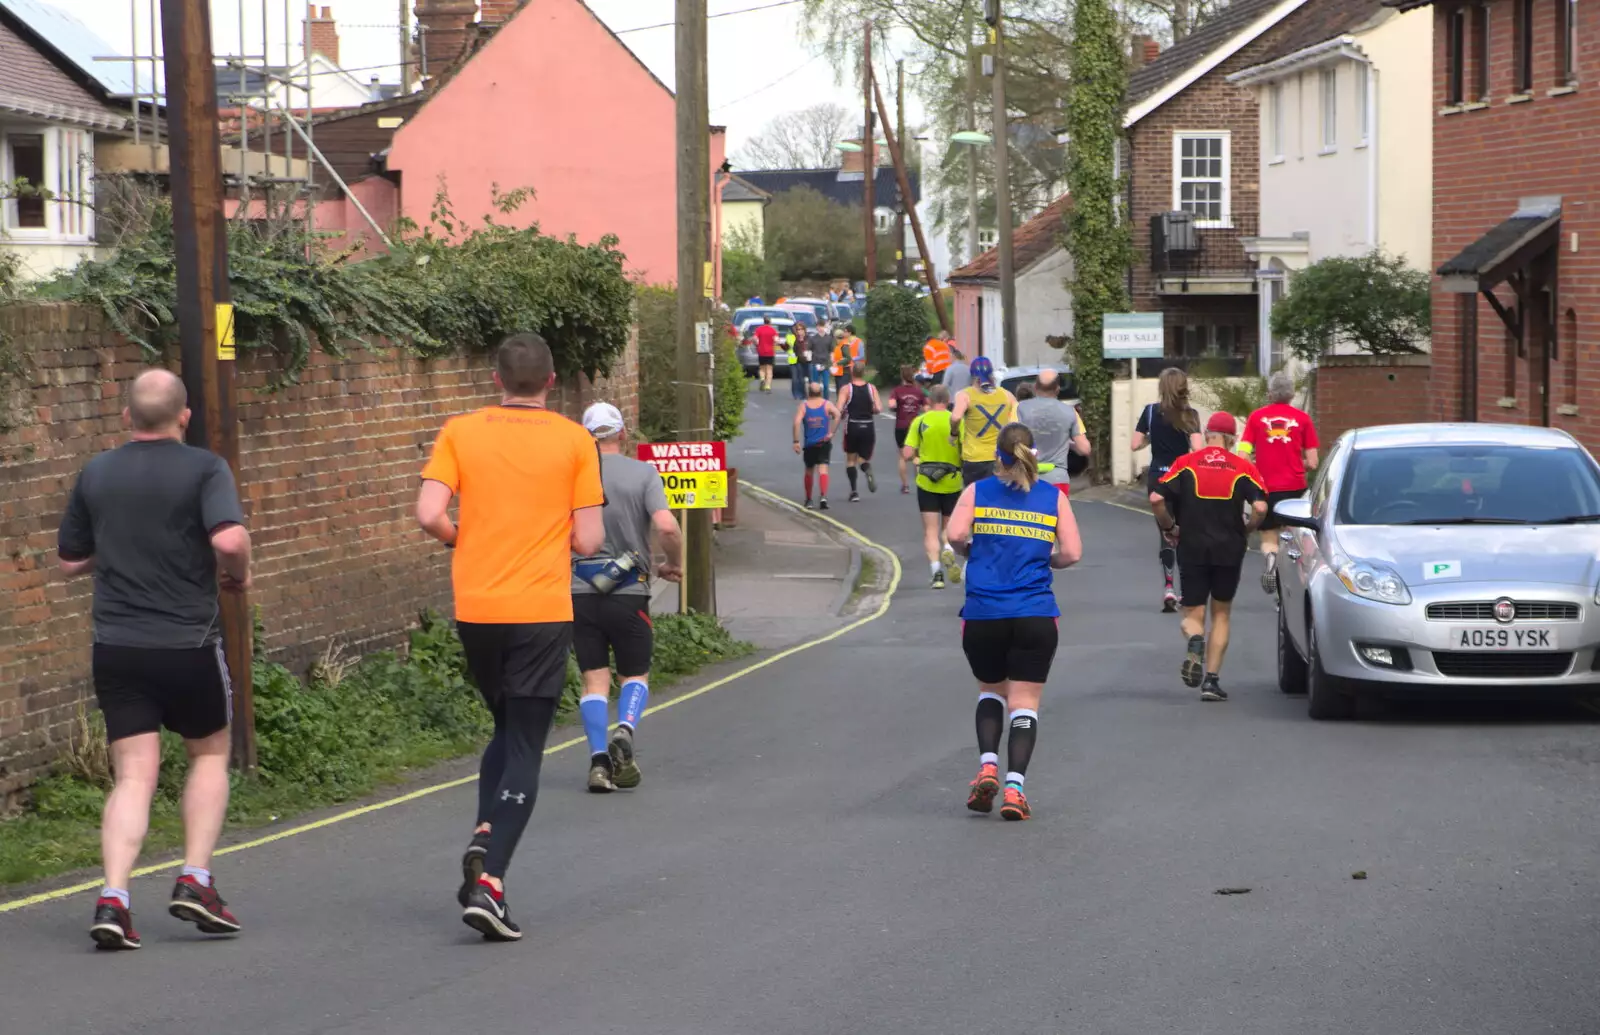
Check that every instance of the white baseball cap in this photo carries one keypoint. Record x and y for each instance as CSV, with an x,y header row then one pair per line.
x,y
603,420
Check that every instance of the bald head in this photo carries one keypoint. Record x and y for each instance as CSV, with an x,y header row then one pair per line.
x,y
157,401
1048,384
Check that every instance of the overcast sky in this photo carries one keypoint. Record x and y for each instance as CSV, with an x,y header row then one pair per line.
x,y
760,63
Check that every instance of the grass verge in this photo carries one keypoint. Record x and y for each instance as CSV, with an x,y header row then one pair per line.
x,y
350,727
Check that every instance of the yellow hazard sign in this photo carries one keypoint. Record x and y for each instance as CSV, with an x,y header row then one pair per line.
x,y
225,349
698,490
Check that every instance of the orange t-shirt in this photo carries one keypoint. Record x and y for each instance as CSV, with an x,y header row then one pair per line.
x,y
519,472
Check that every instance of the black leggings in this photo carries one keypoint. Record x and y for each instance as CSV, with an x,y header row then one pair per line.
x,y
508,778
1169,554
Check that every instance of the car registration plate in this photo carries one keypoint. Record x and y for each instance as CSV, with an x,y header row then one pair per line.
x,y
1526,638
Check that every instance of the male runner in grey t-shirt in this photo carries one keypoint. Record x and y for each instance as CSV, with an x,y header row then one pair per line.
x,y
958,374
1057,429
159,525
611,608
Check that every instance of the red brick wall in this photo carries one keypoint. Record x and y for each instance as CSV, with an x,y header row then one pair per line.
x,y
328,477
1358,391
1486,158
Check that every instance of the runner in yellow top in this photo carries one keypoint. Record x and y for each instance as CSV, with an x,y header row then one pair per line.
x,y
980,411
931,444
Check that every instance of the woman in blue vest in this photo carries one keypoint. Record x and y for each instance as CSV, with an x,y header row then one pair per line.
x,y
1014,529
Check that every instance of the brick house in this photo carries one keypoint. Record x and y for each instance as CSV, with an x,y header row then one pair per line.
x,y
1516,139
1192,152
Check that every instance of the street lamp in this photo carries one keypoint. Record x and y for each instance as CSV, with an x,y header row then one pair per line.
x,y
971,137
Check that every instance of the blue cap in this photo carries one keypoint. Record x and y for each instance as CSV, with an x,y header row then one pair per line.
x,y
982,370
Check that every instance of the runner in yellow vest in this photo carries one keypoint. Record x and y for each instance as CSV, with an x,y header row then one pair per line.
x,y
980,411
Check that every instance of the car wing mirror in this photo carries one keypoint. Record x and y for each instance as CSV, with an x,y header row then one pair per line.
x,y
1297,514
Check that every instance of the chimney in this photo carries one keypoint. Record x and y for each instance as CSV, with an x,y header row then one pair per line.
x,y
443,27
321,34
852,161
1145,50
498,12
374,89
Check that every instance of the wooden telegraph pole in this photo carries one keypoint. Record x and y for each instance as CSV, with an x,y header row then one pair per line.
x,y
900,128
869,162
1002,177
897,153
205,318
694,328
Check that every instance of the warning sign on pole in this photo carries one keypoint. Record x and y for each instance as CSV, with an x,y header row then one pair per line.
x,y
694,474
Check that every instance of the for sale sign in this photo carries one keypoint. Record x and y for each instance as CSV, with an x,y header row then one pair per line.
x,y
694,474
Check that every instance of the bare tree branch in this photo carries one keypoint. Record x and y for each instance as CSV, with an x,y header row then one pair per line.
x,y
801,139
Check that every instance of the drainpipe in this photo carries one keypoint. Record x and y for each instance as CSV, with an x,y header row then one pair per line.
x,y
1372,154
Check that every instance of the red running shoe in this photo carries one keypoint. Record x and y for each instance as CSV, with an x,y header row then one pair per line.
x,y
201,906
113,926
1016,806
984,787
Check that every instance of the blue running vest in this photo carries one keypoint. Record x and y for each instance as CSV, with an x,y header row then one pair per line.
x,y
816,424
1013,536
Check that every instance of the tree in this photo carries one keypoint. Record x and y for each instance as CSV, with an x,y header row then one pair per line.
x,y
1374,301
811,236
801,139
1097,236
897,327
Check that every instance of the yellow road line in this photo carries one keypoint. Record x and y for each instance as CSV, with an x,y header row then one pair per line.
x,y
305,828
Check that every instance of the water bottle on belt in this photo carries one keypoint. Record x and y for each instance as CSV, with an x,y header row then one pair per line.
x,y
619,571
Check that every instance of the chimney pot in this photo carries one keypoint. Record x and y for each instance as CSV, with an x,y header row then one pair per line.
x,y
321,34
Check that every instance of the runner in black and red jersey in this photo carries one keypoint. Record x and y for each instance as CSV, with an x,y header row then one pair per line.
x,y
907,400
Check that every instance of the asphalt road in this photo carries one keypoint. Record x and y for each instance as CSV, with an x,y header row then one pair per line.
x,y
799,859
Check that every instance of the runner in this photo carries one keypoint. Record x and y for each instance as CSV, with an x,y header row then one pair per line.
x,y
979,413
1282,442
611,600
814,423
936,357
819,341
928,441
1200,507
907,401
766,337
1057,430
530,496
958,374
1015,529
1172,428
859,403
847,352
158,523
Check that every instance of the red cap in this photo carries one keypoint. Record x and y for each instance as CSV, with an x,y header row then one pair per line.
x,y
1222,424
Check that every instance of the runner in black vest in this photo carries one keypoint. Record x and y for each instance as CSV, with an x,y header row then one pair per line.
x,y
860,404
1171,427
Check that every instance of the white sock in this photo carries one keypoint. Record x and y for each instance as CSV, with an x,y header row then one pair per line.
x,y
935,567
201,875
1015,780
117,893
989,758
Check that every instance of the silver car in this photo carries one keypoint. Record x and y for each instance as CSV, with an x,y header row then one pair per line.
x,y
1446,558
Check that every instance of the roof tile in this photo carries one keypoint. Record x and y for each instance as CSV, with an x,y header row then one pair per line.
x,y
1193,48
1030,242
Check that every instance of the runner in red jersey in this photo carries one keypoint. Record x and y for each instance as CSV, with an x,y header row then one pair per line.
x,y
907,400
1282,441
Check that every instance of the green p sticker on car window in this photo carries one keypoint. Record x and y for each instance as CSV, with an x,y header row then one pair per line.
x,y
1441,570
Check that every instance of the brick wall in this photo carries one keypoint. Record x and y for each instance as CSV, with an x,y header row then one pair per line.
x,y
1358,391
328,478
1488,156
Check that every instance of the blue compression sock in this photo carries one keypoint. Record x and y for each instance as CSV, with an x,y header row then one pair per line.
x,y
595,710
635,695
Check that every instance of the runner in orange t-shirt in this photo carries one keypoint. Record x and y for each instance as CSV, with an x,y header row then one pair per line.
x,y
529,485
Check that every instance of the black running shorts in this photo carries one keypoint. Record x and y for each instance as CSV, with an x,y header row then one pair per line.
x,y
1271,521
141,689
936,502
516,661
606,623
975,472
859,439
1202,582
818,455
764,361
999,649
900,436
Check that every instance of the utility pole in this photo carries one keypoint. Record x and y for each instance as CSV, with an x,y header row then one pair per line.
x,y
900,209
869,162
897,153
694,213
1002,186
205,330
407,72
972,124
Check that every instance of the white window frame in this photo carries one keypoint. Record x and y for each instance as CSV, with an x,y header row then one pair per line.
x,y
1275,122
1363,74
988,239
1226,136
68,175
1328,98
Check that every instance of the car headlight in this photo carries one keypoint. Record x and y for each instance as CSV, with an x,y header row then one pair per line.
x,y
1373,582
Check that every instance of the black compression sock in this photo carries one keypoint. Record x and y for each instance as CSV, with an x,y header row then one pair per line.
x,y
1024,731
850,473
866,466
991,720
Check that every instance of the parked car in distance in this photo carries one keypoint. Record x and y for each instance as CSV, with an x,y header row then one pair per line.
x,y
746,350
819,307
1443,559
1012,378
752,314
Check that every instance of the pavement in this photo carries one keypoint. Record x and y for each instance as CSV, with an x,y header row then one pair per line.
x,y
799,859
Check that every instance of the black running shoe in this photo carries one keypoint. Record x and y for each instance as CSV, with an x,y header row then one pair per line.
x,y
938,579
822,504
486,913
1193,669
202,906
113,926
472,866
855,497
624,763
1211,690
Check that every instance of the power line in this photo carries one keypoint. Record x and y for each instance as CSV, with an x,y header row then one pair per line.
x,y
787,75
723,14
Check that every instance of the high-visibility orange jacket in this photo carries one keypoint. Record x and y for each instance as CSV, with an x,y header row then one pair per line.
x,y
841,365
936,354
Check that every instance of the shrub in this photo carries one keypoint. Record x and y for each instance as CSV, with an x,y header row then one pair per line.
x,y
1374,301
657,309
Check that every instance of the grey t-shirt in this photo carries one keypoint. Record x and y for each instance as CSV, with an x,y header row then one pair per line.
x,y
145,512
1054,425
633,497
957,375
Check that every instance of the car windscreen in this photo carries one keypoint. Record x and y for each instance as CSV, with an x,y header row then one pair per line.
x,y
1469,484
749,328
754,315
1069,383
805,316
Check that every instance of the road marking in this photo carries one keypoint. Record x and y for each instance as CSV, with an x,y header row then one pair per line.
x,y
423,792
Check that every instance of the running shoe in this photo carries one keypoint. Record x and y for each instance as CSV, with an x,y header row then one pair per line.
x,y
1193,669
600,781
472,865
1211,690
1269,578
486,913
947,556
938,580
1169,602
822,504
202,906
905,490
113,926
872,480
984,788
808,502
855,497
624,764
1015,808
